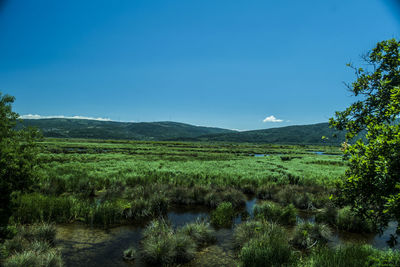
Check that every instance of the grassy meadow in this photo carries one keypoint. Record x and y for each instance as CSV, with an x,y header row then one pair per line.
x,y
106,184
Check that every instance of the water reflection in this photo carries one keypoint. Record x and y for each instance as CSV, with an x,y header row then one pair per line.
x,y
85,246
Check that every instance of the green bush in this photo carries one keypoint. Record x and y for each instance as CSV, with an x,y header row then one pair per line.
x,y
276,213
223,215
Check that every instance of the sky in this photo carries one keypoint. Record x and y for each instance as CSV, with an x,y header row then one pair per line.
x,y
225,63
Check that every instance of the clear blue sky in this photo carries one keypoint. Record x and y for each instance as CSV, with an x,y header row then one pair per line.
x,y
223,63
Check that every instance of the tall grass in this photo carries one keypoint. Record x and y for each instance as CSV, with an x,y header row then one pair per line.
x,y
32,246
270,248
276,213
162,245
352,256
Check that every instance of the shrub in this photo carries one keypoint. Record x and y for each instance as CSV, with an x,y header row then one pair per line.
x,y
275,213
307,235
223,215
269,249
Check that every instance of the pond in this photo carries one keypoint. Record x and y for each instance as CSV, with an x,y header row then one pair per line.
x,y
86,246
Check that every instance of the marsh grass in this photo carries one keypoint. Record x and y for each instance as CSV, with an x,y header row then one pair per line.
x,y
32,246
246,231
352,256
200,232
130,254
348,221
270,248
162,245
307,235
275,213
223,215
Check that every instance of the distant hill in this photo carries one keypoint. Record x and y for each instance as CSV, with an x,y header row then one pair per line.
x,y
298,134
80,128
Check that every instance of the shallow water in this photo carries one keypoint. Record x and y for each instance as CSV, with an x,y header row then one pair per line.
x,y
85,246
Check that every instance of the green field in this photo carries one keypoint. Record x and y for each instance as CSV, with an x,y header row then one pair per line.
x,y
99,184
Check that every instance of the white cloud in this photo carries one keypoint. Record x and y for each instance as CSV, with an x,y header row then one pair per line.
x,y
37,117
272,119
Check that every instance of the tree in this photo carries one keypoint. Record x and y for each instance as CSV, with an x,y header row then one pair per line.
x,y
18,158
372,182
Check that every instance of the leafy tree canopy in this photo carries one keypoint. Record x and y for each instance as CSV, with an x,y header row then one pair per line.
x,y
18,157
372,184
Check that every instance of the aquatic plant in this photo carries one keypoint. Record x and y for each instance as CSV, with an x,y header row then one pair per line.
x,y
32,246
348,255
251,229
307,235
327,215
347,220
162,245
200,232
223,215
268,249
266,192
185,247
40,232
276,213
130,254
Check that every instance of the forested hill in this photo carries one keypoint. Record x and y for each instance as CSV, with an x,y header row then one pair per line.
x,y
79,128
299,134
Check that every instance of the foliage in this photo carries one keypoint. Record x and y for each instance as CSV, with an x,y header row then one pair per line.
x,y
372,185
18,158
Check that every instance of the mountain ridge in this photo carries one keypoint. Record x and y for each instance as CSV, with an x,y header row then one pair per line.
x,y
177,131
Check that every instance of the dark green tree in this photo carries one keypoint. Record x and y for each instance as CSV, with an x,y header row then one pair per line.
x,y
372,182
18,158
